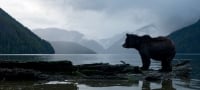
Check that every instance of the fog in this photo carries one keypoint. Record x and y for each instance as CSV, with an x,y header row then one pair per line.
x,y
98,19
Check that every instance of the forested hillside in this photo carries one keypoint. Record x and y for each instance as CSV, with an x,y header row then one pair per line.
x,y
18,39
187,40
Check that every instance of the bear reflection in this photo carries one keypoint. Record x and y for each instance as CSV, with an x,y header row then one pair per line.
x,y
166,85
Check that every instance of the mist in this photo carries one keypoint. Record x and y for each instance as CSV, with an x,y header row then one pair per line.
x,y
99,19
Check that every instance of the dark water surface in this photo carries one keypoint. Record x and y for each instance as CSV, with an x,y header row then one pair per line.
x,y
192,83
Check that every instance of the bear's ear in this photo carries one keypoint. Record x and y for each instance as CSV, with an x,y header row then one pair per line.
x,y
127,34
146,37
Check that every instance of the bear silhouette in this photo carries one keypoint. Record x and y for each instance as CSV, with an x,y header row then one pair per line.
x,y
159,48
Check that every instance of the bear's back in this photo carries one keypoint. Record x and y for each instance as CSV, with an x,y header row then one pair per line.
x,y
160,39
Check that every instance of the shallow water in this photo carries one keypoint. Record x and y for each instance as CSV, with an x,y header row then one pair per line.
x,y
191,83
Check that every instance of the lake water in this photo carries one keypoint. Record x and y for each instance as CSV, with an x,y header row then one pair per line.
x,y
192,83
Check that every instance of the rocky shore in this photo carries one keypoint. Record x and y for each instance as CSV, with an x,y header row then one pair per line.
x,y
65,70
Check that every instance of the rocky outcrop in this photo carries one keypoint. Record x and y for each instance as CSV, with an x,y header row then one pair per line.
x,y
64,70
16,70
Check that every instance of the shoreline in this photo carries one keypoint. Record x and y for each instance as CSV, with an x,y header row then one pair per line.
x,y
65,70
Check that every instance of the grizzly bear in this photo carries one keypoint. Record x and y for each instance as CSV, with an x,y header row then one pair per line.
x,y
159,48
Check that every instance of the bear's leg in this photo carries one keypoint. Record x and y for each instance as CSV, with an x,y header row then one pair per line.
x,y
145,62
166,66
169,66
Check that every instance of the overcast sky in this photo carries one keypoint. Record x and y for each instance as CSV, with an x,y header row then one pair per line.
x,y
105,18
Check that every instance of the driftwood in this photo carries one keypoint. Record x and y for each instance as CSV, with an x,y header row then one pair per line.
x,y
63,70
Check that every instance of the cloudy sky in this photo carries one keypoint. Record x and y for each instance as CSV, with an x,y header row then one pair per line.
x,y
105,18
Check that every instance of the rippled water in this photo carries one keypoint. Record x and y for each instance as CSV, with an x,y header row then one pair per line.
x,y
179,84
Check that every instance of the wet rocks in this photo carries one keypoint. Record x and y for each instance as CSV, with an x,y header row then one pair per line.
x,y
20,74
44,66
62,70
16,70
105,69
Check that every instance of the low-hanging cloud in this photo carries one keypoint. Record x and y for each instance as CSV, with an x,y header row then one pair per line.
x,y
105,18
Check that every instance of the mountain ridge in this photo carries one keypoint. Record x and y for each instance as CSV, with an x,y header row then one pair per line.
x,y
57,34
187,39
15,38
61,47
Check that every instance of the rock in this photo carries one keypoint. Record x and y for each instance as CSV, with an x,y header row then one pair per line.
x,y
62,70
57,66
105,69
16,70
20,74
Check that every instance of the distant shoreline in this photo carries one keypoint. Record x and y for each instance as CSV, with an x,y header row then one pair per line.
x,y
97,54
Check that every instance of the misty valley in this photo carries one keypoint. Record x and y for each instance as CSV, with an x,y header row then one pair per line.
x,y
17,39
90,50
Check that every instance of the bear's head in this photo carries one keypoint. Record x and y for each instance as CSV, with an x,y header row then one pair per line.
x,y
132,41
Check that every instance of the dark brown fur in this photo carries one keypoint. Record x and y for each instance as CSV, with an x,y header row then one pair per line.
x,y
160,48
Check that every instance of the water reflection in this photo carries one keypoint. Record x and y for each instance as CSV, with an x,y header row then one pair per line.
x,y
168,84
165,85
75,58
25,57
32,86
133,85
146,85
108,83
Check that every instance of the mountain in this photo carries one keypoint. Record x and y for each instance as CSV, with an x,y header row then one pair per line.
x,y
115,43
108,42
56,34
116,48
92,44
70,48
17,39
150,29
187,39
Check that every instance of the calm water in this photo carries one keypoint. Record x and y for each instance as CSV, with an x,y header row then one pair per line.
x,y
192,83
